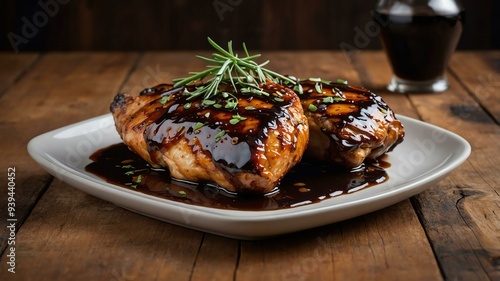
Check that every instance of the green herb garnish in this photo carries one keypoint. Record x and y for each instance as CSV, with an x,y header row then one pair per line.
x,y
331,99
219,135
226,67
198,125
164,99
312,107
139,179
236,118
298,88
208,102
231,103
318,87
328,100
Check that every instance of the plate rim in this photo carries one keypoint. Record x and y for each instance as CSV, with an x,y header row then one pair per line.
x,y
396,194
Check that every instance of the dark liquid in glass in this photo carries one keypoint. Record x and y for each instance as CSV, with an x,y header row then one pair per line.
x,y
419,46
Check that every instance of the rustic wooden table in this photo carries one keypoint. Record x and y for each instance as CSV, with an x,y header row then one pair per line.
x,y
449,232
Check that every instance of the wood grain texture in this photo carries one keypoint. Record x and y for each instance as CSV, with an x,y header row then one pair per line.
x,y
71,233
480,74
371,248
59,89
378,246
460,214
13,67
449,232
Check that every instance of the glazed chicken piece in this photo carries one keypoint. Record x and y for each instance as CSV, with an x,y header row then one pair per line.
x,y
347,124
244,149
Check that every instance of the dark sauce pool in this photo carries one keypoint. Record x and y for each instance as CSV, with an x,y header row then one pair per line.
x,y
405,36
307,183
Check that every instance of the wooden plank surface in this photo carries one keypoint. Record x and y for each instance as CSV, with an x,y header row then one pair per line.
x,y
479,72
448,232
13,67
58,90
461,213
277,257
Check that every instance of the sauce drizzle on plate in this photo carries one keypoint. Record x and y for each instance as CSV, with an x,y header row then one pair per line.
x,y
308,182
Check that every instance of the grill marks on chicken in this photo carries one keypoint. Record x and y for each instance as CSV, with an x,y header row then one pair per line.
x,y
250,146
246,149
348,124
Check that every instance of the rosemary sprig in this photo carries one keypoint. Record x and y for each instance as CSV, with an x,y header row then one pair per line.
x,y
227,68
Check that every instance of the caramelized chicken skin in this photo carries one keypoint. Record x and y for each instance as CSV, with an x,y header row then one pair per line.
x,y
347,124
246,149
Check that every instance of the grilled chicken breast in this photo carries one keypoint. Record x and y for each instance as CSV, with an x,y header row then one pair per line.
x,y
244,149
347,124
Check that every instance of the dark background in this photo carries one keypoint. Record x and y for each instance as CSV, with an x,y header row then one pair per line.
x,y
184,24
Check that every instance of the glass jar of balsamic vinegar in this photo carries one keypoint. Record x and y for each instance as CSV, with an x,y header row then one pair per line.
x,y
419,37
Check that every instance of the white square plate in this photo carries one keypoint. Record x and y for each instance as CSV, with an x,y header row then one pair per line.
x,y
426,156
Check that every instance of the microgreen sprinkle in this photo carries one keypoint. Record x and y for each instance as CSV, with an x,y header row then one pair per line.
x,y
318,88
164,99
139,179
298,88
231,104
236,118
197,126
328,100
219,135
208,102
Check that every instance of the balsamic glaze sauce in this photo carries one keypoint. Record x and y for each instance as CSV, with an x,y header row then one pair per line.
x,y
405,36
231,145
307,183
365,111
